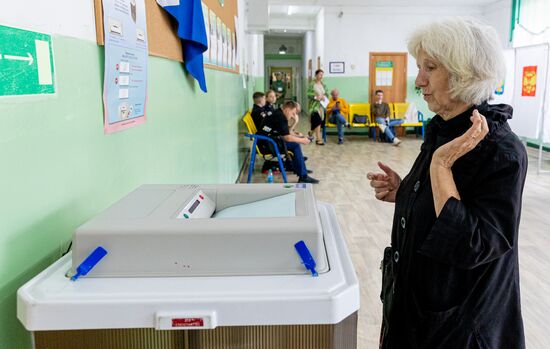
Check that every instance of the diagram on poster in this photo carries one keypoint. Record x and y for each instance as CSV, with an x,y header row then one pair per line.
x,y
126,54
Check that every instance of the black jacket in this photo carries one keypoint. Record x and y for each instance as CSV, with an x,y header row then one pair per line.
x,y
453,281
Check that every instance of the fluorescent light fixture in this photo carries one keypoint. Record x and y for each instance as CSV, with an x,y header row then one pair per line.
x,y
290,10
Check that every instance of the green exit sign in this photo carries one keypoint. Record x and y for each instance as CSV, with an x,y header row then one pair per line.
x,y
26,63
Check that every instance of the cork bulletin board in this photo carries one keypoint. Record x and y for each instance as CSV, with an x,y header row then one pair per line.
x,y
161,32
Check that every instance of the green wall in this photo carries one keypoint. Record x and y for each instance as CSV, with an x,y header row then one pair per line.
x,y
59,169
355,89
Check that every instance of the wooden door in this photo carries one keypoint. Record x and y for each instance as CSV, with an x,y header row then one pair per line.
x,y
388,72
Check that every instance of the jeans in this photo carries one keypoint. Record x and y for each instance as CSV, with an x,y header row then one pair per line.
x,y
392,122
298,159
338,119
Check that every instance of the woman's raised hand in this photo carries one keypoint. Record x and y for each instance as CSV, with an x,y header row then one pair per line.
x,y
385,184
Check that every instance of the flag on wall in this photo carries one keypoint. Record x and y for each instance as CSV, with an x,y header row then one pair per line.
x,y
192,32
529,81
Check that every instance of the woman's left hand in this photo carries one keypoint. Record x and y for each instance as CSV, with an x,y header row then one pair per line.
x,y
447,154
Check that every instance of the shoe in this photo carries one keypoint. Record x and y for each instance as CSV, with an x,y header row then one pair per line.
x,y
340,141
396,141
305,158
309,171
308,179
320,143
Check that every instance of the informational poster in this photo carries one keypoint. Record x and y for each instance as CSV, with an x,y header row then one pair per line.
x,y
530,87
384,73
234,50
213,42
126,54
529,81
206,15
219,40
224,45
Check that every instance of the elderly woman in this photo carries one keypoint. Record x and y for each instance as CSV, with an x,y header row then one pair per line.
x,y
450,277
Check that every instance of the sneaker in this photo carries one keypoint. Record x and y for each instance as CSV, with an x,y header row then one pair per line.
x,y
340,141
396,141
309,171
308,179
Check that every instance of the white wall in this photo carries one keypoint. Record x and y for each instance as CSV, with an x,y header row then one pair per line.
x,y
308,52
254,63
376,29
63,17
320,40
498,15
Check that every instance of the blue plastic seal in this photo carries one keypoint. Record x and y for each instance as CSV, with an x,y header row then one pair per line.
x,y
90,262
307,258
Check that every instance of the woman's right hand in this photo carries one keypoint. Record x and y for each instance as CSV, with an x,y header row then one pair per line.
x,y
385,184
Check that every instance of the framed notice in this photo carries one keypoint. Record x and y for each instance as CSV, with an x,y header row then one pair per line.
x,y
336,68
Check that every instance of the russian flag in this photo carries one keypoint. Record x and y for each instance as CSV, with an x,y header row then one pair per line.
x,y
192,32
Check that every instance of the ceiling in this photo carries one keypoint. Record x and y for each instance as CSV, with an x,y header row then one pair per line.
x,y
310,8
386,3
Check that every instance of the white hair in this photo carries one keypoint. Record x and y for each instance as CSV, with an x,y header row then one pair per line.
x,y
469,50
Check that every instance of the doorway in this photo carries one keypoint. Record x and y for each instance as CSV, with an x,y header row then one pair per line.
x,y
388,72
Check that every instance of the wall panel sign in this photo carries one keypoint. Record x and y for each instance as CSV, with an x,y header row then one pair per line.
x,y
26,62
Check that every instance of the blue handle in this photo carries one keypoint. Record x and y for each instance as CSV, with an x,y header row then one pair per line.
x,y
307,258
89,262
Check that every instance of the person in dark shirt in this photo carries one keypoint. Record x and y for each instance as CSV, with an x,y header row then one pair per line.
x,y
451,276
258,110
380,112
270,100
275,126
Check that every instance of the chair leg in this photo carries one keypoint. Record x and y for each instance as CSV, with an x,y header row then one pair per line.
x,y
252,161
282,168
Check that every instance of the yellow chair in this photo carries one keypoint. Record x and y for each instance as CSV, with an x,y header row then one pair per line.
x,y
249,122
398,112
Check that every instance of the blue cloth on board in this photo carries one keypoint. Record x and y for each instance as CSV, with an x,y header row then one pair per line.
x,y
192,32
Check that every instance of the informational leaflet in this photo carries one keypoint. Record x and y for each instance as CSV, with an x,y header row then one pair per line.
x,y
126,54
220,43
206,15
213,42
384,73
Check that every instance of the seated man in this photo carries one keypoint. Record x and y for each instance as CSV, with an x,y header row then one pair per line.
x,y
337,112
258,110
380,111
275,126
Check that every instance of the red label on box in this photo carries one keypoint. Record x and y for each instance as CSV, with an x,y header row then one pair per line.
x,y
187,322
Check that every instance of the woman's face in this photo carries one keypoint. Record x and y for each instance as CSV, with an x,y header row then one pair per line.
x,y
270,98
433,79
319,76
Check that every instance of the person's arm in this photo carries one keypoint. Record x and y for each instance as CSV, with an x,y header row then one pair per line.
x,y
387,113
294,138
330,106
344,108
468,234
311,92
